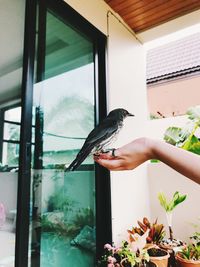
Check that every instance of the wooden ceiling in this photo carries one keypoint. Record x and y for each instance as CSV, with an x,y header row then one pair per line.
x,y
141,15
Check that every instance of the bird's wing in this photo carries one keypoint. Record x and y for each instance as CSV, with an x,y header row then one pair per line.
x,y
101,132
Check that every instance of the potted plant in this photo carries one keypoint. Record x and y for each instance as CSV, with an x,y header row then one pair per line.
x,y
186,137
189,256
169,206
158,256
171,244
156,231
129,254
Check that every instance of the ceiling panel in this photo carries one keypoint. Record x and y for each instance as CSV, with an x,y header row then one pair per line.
x,y
141,15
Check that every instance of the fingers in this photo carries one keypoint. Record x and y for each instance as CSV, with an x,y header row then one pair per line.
x,y
109,155
111,164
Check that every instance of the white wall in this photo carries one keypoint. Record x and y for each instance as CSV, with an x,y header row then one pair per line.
x,y
156,128
8,191
126,88
164,179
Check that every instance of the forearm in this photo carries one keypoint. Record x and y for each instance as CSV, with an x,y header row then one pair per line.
x,y
185,162
142,149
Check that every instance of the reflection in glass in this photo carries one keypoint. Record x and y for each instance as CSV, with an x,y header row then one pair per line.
x,y
10,155
63,204
13,114
11,131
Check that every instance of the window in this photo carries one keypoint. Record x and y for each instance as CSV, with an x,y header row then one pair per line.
x,y
10,131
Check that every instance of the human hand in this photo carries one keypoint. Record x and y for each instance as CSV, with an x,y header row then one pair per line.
x,y
126,157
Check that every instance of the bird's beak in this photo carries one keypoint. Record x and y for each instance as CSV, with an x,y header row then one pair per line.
x,y
131,115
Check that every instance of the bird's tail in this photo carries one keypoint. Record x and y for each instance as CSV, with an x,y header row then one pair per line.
x,y
78,160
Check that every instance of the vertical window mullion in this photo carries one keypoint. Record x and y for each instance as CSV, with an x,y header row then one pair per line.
x,y
1,133
23,195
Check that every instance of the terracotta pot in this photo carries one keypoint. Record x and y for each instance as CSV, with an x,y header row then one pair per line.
x,y
146,264
172,250
186,263
174,244
160,261
150,264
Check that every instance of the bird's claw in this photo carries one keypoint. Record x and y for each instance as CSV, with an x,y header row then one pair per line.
x,y
102,151
112,150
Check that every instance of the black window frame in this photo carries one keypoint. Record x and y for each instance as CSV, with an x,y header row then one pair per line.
x,y
2,122
9,141
103,191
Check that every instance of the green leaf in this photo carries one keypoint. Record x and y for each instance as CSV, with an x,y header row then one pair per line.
x,y
179,200
163,201
176,195
191,140
173,135
195,148
176,199
185,137
154,161
194,113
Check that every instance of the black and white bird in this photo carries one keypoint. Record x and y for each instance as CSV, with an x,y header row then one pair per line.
x,y
101,136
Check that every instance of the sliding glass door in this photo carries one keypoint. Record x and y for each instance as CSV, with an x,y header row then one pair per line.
x,y
62,228
63,100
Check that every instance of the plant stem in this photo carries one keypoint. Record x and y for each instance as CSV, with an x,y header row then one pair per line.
x,y
121,262
169,221
170,233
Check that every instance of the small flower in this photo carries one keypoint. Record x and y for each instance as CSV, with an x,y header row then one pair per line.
x,y
117,250
108,247
139,241
111,259
114,256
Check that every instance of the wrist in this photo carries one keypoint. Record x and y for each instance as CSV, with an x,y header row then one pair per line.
x,y
150,145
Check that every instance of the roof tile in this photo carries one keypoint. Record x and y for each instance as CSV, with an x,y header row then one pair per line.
x,y
174,58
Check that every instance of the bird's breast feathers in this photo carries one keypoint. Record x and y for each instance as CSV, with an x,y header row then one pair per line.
x,y
104,144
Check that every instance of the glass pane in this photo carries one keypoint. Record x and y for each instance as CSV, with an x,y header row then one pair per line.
x,y
13,114
63,204
10,155
11,132
12,15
